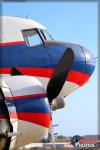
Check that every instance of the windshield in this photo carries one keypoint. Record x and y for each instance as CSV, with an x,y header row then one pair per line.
x,y
47,36
32,37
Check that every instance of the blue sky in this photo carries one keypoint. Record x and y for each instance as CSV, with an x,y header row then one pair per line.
x,y
76,22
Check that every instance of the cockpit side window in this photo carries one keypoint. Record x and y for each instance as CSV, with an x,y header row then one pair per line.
x,y
46,35
32,37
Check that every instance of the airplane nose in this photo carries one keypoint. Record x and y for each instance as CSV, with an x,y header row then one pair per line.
x,y
89,61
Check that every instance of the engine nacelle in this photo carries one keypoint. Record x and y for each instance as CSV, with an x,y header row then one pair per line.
x,y
58,103
28,110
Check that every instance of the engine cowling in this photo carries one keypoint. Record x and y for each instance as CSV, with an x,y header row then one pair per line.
x,y
58,103
28,109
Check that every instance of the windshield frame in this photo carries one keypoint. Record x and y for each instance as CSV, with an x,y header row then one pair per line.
x,y
44,36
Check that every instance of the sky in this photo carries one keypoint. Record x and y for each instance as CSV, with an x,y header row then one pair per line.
x,y
75,22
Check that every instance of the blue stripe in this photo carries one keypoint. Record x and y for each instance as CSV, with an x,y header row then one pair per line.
x,y
35,105
22,56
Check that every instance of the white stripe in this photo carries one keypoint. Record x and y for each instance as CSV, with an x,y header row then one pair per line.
x,y
68,87
23,85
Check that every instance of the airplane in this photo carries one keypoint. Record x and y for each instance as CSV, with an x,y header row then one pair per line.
x,y
36,73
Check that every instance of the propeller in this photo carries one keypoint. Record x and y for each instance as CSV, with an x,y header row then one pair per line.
x,y
57,81
5,125
60,74
15,72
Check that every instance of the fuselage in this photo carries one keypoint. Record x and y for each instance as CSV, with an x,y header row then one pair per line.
x,y
39,60
27,48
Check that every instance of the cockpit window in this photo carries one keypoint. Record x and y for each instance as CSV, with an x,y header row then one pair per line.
x,y
46,35
32,37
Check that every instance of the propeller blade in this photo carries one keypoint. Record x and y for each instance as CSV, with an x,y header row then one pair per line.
x,y
5,125
60,74
15,72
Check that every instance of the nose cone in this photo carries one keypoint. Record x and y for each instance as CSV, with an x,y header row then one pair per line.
x,y
89,61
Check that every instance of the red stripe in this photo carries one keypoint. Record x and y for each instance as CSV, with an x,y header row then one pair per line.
x,y
37,118
77,77
41,72
73,76
12,43
5,70
26,96
2,116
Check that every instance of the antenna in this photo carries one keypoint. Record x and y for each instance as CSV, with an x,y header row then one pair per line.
x,y
27,16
